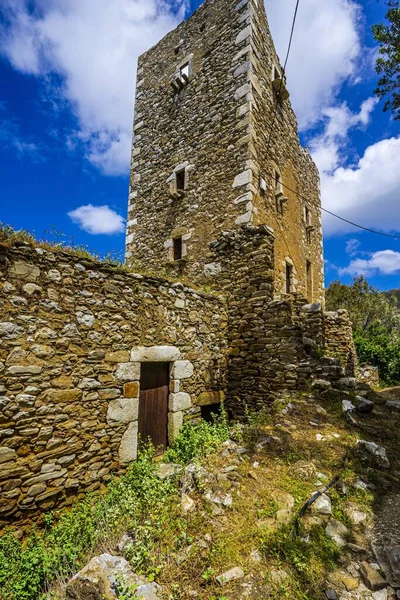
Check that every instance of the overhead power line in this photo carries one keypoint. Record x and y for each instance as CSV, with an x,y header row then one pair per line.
x,y
308,201
283,75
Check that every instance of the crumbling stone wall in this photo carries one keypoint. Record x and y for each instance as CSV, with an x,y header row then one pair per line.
x,y
265,345
339,341
274,345
73,334
217,128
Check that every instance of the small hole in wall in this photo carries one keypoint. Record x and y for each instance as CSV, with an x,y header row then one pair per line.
x,y
208,411
202,27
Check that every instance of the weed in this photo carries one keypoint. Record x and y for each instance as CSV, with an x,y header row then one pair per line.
x,y
308,562
199,439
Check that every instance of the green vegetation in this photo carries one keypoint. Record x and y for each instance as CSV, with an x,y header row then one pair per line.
x,y
376,325
138,501
388,63
307,561
198,440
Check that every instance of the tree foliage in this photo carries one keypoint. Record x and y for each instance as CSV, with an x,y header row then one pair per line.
x,y
388,63
376,324
368,308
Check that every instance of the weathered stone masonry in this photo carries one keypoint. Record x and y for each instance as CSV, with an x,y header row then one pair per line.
x,y
73,335
274,345
215,128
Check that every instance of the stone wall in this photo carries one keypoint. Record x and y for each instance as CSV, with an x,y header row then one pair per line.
x,y
369,375
73,334
274,345
339,340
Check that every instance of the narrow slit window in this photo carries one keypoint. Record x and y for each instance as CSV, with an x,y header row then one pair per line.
x,y
180,180
309,280
178,248
289,275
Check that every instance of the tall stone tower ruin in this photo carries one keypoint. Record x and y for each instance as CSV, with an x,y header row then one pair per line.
x,y
204,159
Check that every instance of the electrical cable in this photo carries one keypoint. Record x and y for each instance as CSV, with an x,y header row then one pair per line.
x,y
283,75
396,237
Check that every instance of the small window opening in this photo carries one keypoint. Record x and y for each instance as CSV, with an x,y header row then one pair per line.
x,y
289,276
208,411
202,27
309,280
178,248
180,179
309,227
184,70
278,184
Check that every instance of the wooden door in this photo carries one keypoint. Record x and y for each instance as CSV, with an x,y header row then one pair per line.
x,y
153,404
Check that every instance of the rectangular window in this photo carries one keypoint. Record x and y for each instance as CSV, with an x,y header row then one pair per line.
x,y
180,180
289,276
178,248
307,215
309,280
184,70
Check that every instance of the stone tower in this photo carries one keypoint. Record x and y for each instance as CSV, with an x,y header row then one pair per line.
x,y
204,159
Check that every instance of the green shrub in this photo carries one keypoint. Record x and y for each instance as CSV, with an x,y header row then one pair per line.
x,y
200,439
380,351
138,501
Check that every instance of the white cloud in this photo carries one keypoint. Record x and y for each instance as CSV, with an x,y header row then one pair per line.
x,y
352,246
367,193
326,51
98,219
384,262
338,120
94,47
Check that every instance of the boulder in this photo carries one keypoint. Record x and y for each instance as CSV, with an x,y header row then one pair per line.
x,y
165,470
102,577
231,575
371,577
376,453
364,406
322,505
337,532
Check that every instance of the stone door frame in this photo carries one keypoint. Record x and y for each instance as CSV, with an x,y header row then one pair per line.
x,y
178,402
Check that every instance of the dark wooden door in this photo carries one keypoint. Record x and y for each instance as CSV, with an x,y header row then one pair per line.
x,y
153,404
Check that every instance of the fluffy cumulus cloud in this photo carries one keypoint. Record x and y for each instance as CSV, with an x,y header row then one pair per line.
x,y
98,219
325,52
367,193
92,47
338,121
384,262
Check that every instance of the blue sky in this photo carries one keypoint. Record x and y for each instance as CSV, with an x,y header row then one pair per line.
x,y
67,73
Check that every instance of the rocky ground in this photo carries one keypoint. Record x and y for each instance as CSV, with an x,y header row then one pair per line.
x,y
238,510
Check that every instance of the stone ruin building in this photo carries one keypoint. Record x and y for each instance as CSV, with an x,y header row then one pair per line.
x,y
211,153
93,356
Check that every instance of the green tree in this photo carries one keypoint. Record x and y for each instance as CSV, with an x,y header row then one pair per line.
x,y
368,308
388,63
376,324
